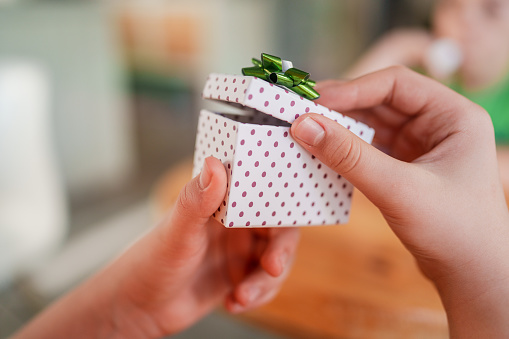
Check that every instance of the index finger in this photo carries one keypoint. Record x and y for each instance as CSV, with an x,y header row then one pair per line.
x,y
397,87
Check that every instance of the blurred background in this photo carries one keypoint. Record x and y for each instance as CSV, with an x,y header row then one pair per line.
x,y
99,98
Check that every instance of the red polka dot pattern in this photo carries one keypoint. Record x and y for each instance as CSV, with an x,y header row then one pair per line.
x,y
272,181
291,190
222,145
274,100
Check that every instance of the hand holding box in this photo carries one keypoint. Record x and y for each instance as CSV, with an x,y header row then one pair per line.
x,y
272,181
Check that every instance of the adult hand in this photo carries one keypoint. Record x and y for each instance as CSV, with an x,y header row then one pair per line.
x,y
437,184
177,273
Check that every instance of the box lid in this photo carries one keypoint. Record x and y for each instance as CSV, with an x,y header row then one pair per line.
x,y
273,100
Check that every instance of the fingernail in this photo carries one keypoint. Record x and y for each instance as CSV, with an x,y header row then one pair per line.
x,y
253,293
205,176
309,131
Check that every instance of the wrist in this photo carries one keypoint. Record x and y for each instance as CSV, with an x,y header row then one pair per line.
x,y
125,304
475,294
82,313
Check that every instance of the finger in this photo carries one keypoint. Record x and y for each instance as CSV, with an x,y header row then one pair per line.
x,y
257,289
197,201
262,284
280,251
239,249
397,87
321,85
370,170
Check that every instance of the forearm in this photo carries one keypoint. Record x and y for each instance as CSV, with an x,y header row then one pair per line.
x,y
483,316
476,296
378,57
95,309
83,313
405,47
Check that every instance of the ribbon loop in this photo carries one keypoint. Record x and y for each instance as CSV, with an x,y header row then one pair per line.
x,y
256,62
281,79
298,76
254,71
271,63
270,68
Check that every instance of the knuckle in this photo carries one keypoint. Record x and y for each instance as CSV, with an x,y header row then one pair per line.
x,y
399,69
478,121
485,118
346,156
185,201
396,72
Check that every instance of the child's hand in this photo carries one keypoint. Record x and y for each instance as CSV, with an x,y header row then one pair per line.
x,y
191,263
176,274
438,187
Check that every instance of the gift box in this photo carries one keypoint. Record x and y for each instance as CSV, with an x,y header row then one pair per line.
x,y
272,180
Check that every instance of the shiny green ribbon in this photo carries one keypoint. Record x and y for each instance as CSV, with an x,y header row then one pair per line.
x,y
270,68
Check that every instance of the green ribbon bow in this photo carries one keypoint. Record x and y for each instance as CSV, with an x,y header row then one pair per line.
x,y
272,69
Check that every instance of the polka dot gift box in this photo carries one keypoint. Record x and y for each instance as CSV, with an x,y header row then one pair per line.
x,y
272,181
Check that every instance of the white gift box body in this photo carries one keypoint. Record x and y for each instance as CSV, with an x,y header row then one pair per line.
x,y
272,180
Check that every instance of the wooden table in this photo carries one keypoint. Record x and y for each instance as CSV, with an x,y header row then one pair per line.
x,y
348,281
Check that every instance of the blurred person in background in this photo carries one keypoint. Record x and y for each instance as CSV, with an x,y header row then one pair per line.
x,y
467,48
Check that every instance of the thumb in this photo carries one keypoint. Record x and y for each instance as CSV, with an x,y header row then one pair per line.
x,y
373,172
197,201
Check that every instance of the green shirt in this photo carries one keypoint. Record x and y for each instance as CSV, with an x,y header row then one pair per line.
x,y
495,100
